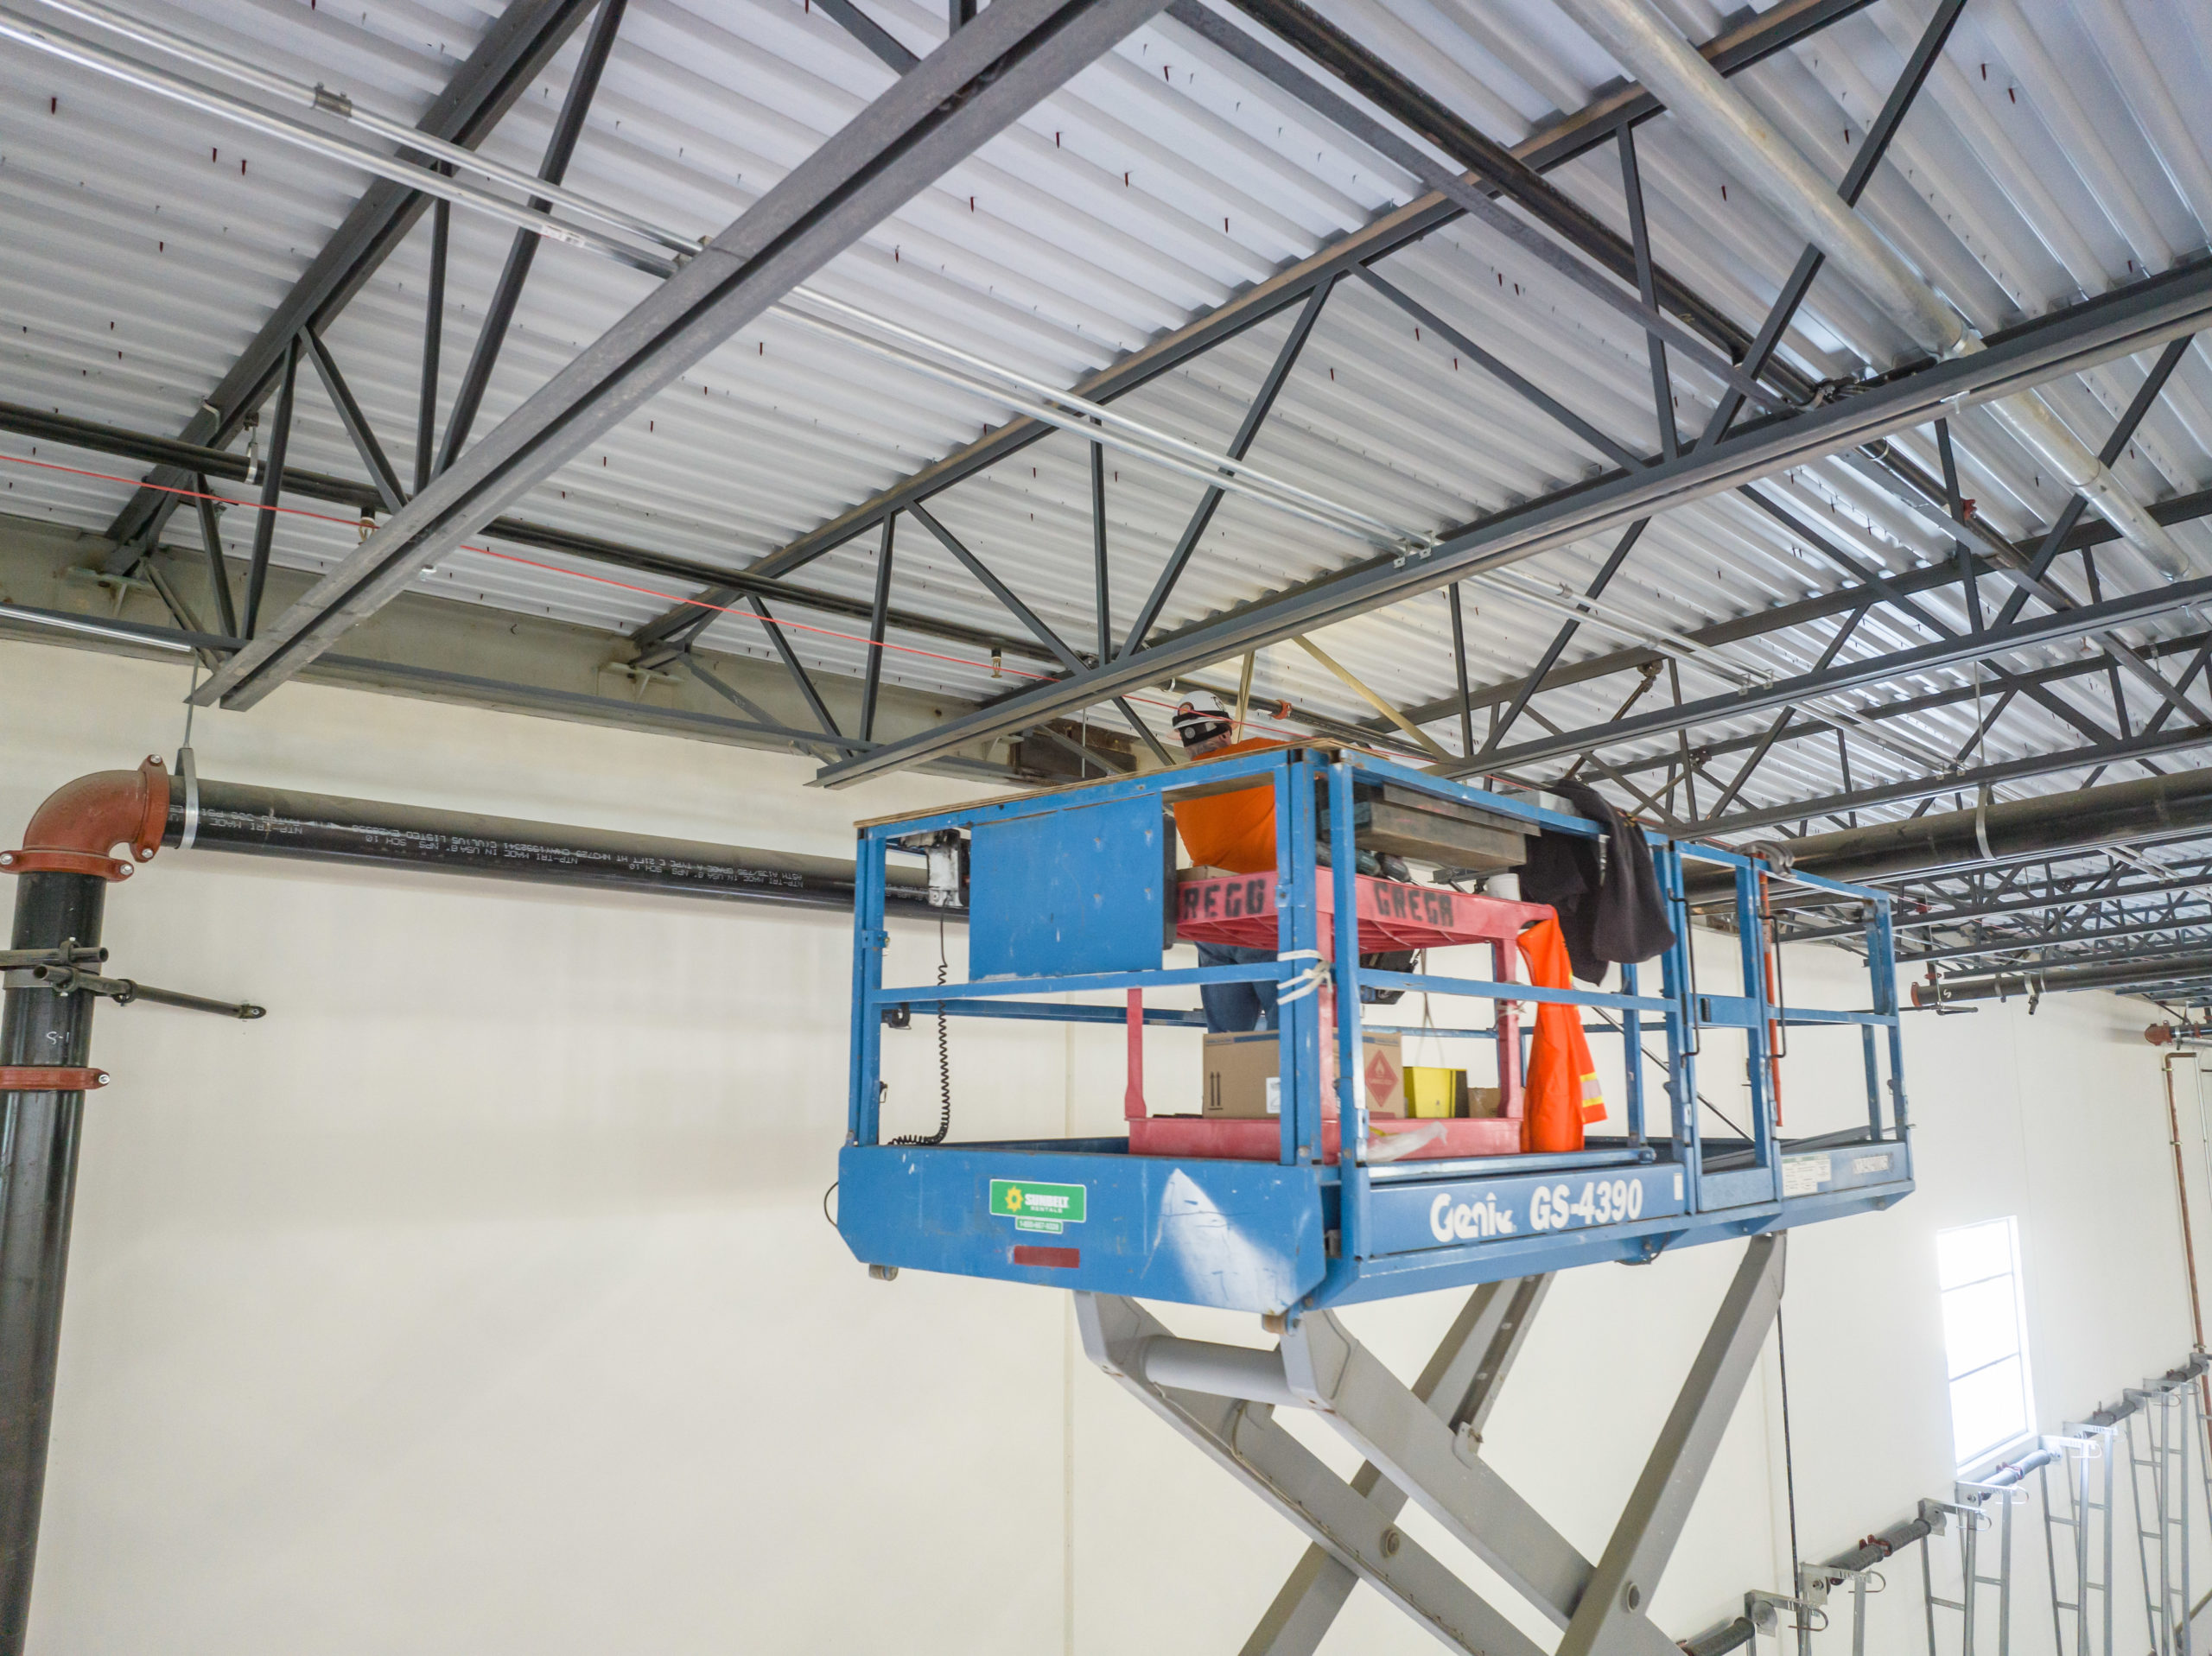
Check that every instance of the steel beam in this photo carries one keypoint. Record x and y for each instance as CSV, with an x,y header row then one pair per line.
x,y
2123,433
2041,903
1460,672
1476,199
2122,322
871,680
2021,943
361,497
434,327
2077,821
1784,617
1007,598
1966,779
518,44
870,33
1809,729
1017,52
1498,369
1100,572
2056,627
792,665
1493,164
219,574
2186,964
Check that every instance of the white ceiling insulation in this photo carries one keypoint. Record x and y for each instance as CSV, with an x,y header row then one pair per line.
x,y
2060,149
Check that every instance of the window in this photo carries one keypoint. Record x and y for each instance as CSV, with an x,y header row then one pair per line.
x,y
1993,1404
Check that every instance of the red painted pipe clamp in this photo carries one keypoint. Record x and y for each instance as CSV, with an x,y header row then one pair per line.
x,y
49,1078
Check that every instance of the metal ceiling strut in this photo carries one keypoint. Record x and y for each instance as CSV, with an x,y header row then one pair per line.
x,y
513,52
2140,316
522,252
1016,53
2058,626
1787,617
2076,822
1729,129
1731,52
1423,1444
202,463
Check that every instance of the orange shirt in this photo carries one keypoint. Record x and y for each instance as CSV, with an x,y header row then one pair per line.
x,y
1235,831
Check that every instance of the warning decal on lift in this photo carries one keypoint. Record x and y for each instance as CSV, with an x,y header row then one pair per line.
x,y
1802,1175
1050,1208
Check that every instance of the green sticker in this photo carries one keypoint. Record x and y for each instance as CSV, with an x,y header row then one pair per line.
x,y
1035,1206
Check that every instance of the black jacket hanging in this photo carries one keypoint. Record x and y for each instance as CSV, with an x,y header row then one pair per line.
x,y
1616,913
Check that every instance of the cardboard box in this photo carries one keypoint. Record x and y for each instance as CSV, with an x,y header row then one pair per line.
x,y
1243,1075
1486,1103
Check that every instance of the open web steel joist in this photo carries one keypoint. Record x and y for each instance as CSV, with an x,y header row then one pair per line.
x,y
1163,359
2092,333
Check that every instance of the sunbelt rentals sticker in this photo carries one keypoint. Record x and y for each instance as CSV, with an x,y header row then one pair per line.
x,y
1033,1206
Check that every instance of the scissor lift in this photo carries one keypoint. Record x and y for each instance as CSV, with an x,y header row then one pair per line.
x,y
1074,891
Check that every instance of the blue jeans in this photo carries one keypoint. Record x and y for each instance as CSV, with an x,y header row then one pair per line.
x,y
1233,1008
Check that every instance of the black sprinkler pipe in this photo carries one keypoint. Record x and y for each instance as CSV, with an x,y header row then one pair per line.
x,y
210,816
62,872
39,1030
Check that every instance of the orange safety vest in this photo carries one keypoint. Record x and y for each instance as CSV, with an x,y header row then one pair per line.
x,y
1235,831
1560,1095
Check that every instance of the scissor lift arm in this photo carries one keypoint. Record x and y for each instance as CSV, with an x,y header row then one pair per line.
x,y
1423,1443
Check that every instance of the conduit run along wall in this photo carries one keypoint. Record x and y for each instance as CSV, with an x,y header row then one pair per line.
x,y
479,1299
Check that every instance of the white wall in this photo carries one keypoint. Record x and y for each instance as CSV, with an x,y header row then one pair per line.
x,y
479,1298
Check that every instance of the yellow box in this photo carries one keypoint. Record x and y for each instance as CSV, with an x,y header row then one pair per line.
x,y
1434,1093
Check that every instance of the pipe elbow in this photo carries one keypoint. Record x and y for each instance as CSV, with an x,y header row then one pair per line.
x,y
82,822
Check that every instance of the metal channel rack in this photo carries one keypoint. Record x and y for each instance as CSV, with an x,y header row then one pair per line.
x,y
1072,890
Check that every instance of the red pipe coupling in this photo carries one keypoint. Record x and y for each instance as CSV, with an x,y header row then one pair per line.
x,y
82,822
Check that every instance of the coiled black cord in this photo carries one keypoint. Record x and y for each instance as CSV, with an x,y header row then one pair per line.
x,y
943,1062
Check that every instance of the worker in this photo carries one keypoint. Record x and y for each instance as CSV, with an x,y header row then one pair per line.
x,y
1235,832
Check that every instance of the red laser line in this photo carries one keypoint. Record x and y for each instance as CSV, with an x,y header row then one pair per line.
x,y
550,569
604,580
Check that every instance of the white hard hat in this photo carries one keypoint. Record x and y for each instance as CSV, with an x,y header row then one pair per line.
x,y
1200,717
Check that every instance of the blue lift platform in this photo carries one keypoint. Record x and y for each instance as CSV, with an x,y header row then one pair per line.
x,y
1072,889
1075,890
